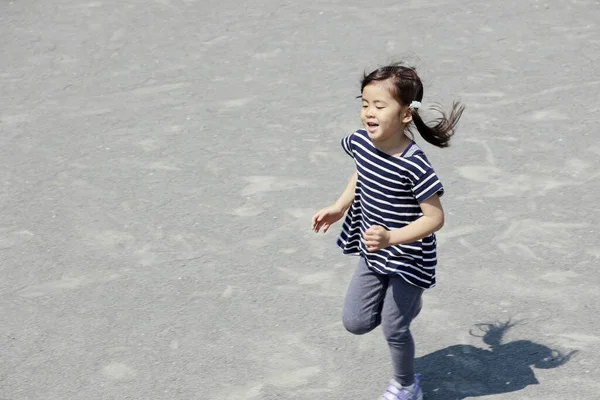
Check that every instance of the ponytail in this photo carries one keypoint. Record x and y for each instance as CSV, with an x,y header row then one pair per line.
x,y
439,134
407,88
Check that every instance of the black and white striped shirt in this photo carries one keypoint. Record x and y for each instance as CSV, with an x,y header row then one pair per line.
x,y
388,193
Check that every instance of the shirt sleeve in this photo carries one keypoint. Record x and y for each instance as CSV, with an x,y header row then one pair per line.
x,y
347,145
426,183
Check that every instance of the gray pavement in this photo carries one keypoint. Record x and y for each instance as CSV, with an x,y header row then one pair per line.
x,y
161,160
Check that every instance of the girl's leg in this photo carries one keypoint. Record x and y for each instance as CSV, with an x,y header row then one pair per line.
x,y
401,304
364,299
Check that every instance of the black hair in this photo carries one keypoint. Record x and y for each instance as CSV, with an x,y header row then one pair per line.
x,y
406,87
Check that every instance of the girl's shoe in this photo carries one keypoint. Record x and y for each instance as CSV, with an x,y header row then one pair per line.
x,y
395,391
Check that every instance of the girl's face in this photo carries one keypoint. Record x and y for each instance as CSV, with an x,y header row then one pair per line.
x,y
382,116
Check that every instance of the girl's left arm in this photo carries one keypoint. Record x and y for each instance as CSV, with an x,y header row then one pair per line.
x,y
432,220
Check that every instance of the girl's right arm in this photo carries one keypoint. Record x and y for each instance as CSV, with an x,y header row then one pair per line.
x,y
329,215
347,197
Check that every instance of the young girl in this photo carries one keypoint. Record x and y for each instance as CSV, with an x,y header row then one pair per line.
x,y
393,209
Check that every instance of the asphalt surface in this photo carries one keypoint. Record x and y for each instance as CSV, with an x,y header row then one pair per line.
x,y
160,162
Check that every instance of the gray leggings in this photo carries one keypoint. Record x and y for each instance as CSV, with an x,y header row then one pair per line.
x,y
374,299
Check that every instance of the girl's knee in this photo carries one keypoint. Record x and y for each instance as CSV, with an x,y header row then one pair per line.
x,y
357,326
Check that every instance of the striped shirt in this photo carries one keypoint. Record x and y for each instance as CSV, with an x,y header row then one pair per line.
x,y
388,193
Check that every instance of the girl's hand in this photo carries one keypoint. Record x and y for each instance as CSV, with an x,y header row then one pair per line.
x,y
326,217
376,238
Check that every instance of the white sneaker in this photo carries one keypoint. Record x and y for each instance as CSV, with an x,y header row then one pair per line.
x,y
396,391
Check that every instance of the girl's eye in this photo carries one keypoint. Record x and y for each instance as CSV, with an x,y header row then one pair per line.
x,y
364,106
379,107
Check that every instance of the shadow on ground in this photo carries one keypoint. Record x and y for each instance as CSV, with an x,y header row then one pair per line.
x,y
462,371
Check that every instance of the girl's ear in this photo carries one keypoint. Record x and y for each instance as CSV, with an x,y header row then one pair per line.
x,y
407,116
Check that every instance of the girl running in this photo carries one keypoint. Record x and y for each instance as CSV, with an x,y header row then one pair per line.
x,y
392,207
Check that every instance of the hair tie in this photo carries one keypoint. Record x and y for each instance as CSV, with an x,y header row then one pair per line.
x,y
415,105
